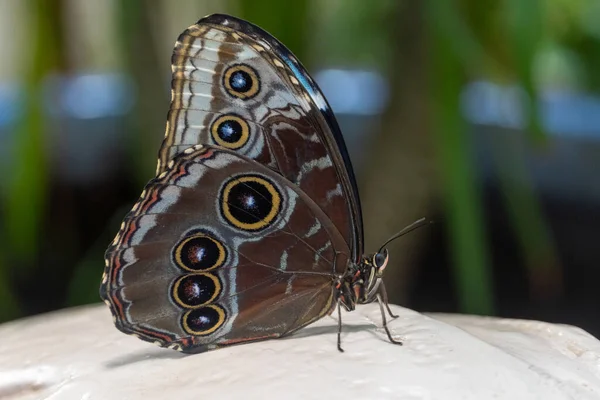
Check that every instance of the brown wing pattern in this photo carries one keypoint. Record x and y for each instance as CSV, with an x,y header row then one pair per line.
x,y
236,86
216,249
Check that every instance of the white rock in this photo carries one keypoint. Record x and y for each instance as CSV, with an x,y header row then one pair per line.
x,y
78,354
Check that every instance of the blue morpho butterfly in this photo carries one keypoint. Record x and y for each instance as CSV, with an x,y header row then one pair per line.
x,y
252,227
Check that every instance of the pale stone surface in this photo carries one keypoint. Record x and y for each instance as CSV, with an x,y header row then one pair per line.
x,y
78,354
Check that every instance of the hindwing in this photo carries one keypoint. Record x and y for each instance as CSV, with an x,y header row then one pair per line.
x,y
218,250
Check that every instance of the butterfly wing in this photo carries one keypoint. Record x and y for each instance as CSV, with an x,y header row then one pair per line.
x,y
236,86
218,250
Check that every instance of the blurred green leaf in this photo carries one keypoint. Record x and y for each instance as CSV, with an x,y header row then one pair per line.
x,y
523,24
139,51
465,223
463,41
524,29
353,33
286,20
26,190
529,224
26,194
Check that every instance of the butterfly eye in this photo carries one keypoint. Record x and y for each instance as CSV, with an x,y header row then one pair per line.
x,y
204,320
194,290
241,81
380,259
230,131
250,202
199,253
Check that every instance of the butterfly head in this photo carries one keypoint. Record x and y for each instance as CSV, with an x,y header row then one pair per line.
x,y
361,282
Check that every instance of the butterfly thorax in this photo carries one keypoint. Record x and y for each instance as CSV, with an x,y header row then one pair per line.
x,y
361,282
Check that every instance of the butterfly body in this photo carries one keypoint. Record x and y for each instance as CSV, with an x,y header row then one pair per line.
x,y
252,227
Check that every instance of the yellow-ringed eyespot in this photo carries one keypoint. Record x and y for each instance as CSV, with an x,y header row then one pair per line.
x,y
241,81
230,131
199,252
195,290
204,320
250,202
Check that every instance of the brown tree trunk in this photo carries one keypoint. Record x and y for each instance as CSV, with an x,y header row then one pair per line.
x,y
399,179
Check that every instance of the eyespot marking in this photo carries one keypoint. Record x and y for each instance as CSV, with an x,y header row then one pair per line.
x,y
250,202
199,252
230,131
204,320
196,290
241,81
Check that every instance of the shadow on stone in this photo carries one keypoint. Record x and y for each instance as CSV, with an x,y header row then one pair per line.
x,y
144,356
328,330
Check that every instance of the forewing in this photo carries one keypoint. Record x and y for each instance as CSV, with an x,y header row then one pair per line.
x,y
236,86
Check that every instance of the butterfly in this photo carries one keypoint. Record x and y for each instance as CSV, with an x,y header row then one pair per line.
x,y
252,227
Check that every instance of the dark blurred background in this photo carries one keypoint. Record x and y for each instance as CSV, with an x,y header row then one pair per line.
x,y
481,115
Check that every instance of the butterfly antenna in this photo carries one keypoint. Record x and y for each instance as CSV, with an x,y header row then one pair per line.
x,y
415,225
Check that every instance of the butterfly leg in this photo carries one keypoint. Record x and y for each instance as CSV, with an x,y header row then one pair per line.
x,y
387,331
339,338
385,301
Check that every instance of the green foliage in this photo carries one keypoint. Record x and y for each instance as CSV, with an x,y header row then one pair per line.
x,y
26,194
500,40
25,197
463,200
285,20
